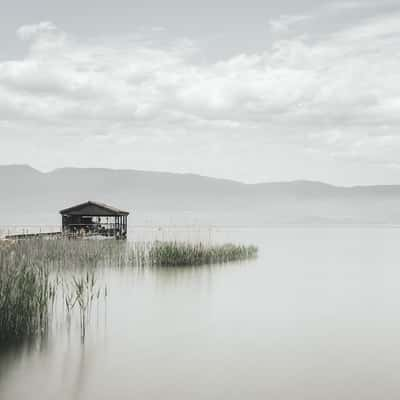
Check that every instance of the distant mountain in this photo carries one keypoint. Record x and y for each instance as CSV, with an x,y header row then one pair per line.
x,y
29,196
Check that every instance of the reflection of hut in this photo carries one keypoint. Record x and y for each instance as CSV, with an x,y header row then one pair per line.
x,y
93,218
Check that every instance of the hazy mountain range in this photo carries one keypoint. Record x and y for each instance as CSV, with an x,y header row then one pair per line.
x,y
29,196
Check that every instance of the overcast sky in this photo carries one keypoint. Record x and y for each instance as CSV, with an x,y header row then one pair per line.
x,y
249,90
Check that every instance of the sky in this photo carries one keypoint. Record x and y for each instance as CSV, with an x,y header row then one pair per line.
x,y
246,90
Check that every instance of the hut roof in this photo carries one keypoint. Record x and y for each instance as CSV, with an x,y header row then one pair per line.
x,y
95,209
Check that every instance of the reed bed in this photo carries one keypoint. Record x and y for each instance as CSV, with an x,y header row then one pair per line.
x,y
25,294
31,282
189,254
33,275
64,254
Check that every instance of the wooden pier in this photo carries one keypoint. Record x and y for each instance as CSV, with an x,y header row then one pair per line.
x,y
54,235
40,235
85,220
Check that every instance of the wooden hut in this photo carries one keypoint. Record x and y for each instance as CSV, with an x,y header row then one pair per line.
x,y
92,219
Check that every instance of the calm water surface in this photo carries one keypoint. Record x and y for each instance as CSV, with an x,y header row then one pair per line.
x,y
316,316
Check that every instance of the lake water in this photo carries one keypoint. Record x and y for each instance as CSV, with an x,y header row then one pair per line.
x,y
316,316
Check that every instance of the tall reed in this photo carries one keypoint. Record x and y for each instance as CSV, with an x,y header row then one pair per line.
x,y
31,272
181,253
64,254
25,295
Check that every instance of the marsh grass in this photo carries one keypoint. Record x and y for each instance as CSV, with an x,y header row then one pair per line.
x,y
80,293
37,273
190,254
33,279
25,295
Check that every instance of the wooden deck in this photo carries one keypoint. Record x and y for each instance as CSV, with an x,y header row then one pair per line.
x,y
55,235
33,235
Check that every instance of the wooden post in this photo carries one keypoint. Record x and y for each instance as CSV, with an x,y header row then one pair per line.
x,y
124,226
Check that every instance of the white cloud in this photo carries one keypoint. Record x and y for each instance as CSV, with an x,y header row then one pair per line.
x,y
285,22
338,95
348,5
27,32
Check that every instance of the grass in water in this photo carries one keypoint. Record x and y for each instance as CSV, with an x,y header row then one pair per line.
x,y
181,254
33,275
25,295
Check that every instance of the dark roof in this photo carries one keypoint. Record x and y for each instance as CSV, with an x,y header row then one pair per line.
x,y
92,208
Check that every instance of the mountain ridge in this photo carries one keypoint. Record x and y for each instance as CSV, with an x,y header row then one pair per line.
x,y
31,196
189,174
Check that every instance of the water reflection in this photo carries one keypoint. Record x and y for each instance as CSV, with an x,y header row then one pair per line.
x,y
57,368
81,372
315,317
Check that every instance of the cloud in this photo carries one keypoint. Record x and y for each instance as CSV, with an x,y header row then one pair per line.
x,y
348,5
375,28
285,22
338,94
27,32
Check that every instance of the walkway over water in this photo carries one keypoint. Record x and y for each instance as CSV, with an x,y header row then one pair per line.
x,y
13,230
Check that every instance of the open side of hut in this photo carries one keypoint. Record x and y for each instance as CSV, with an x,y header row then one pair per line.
x,y
92,218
